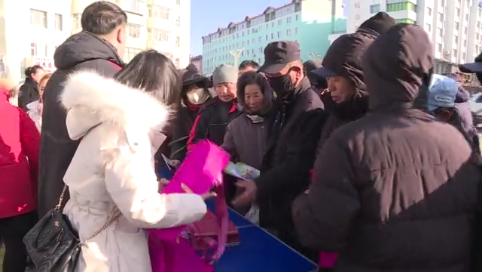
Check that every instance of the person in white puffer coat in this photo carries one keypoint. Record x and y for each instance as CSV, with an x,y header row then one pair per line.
x,y
120,124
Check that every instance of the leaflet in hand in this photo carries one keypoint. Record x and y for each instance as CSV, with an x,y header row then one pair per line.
x,y
242,171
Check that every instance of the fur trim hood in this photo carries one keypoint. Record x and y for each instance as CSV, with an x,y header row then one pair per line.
x,y
91,99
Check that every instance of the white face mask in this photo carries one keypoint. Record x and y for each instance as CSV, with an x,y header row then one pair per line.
x,y
197,96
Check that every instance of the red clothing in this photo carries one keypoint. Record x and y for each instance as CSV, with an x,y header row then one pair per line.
x,y
19,151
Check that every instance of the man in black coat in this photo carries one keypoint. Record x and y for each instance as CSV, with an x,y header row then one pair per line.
x,y
294,128
98,47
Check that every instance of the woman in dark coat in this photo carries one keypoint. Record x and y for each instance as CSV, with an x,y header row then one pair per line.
x,y
29,90
194,95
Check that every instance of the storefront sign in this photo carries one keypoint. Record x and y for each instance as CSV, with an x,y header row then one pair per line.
x,y
46,63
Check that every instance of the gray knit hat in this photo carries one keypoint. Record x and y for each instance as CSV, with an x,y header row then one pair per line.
x,y
225,73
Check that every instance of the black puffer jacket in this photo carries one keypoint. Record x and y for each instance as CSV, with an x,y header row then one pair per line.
x,y
344,58
187,112
28,93
82,51
396,190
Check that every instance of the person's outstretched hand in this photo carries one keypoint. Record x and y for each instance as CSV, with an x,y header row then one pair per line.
x,y
203,196
248,194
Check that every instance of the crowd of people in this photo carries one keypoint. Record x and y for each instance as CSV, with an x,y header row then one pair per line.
x,y
369,162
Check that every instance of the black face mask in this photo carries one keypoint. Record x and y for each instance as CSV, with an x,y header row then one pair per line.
x,y
282,84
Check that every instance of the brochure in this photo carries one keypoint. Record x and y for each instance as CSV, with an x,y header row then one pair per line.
x,y
242,171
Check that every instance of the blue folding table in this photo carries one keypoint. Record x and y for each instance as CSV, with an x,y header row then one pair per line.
x,y
258,250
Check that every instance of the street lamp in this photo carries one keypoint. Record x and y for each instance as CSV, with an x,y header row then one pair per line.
x,y
236,53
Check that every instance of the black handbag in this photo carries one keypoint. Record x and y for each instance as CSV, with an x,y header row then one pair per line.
x,y
53,244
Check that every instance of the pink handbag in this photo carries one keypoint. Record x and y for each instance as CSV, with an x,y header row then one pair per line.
x,y
200,171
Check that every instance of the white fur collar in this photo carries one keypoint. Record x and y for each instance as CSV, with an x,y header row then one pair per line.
x,y
91,99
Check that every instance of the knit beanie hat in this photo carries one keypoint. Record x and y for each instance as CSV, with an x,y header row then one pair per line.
x,y
225,74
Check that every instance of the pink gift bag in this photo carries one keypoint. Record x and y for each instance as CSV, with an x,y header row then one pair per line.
x,y
327,259
200,171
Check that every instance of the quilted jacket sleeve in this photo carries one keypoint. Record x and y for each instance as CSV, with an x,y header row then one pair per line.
x,y
30,139
132,183
323,217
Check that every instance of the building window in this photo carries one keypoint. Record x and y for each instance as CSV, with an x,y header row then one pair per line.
x,y
374,8
428,27
177,62
77,17
440,17
288,20
402,6
429,11
297,17
178,41
159,12
58,22
133,5
33,49
131,53
178,2
134,31
280,22
296,30
178,21
288,32
160,35
454,53
456,24
38,18
439,47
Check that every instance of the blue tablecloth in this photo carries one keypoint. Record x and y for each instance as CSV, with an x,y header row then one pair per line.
x,y
259,251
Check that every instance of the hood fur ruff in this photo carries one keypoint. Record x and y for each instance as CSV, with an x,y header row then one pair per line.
x,y
91,99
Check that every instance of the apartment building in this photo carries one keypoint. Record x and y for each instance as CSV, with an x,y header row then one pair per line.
x,y
29,34
453,25
163,25
197,61
309,22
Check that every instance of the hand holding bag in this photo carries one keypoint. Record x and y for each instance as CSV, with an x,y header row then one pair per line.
x,y
202,170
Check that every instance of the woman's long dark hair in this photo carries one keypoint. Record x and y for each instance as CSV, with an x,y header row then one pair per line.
x,y
154,73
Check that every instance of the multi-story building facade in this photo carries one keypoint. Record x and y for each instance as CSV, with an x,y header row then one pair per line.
x,y
453,25
309,22
197,61
30,32
163,25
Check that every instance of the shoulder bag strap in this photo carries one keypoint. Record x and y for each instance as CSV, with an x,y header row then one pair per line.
x,y
109,222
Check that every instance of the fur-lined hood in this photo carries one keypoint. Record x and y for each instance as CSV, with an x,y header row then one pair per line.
x,y
91,99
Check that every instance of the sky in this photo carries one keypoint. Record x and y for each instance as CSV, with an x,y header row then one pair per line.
x,y
208,15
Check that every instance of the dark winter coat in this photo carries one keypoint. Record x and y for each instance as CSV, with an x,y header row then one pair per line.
x,y
28,93
82,51
397,189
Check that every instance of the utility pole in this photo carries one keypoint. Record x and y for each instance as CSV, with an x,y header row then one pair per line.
x,y
236,53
